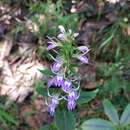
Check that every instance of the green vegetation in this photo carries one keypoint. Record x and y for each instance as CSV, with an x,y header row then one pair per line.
x,y
102,80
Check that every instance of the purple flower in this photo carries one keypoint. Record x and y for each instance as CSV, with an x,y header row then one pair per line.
x,y
61,37
53,106
52,45
59,81
51,82
83,59
67,86
83,49
71,104
56,81
73,95
56,66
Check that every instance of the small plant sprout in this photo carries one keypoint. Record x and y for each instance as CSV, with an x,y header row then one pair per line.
x,y
114,123
64,82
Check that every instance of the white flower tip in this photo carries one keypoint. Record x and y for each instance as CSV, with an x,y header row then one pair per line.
x,y
76,34
73,10
62,29
70,31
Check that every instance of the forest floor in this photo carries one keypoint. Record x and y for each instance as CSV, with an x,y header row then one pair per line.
x,y
103,26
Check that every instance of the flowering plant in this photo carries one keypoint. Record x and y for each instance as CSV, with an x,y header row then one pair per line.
x,y
65,79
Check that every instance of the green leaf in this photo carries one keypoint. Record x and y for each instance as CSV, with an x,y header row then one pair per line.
x,y
65,120
85,97
49,127
47,72
97,124
7,117
46,127
106,41
111,111
41,89
125,117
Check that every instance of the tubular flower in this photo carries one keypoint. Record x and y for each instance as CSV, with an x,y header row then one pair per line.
x,y
67,86
83,49
53,106
63,35
56,66
59,81
83,59
72,97
52,44
62,29
51,82
71,104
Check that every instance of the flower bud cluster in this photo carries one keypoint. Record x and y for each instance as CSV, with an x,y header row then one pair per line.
x,y
69,93
64,37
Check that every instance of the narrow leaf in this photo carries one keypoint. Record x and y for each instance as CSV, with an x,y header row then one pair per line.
x,y
107,41
7,117
111,111
47,72
85,97
125,118
97,124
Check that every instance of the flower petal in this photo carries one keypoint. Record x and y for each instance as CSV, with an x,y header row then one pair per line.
x,y
83,59
62,29
76,34
56,66
51,82
73,95
51,46
83,49
53,106
67,86
70,31
71,104
61,37
59,81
